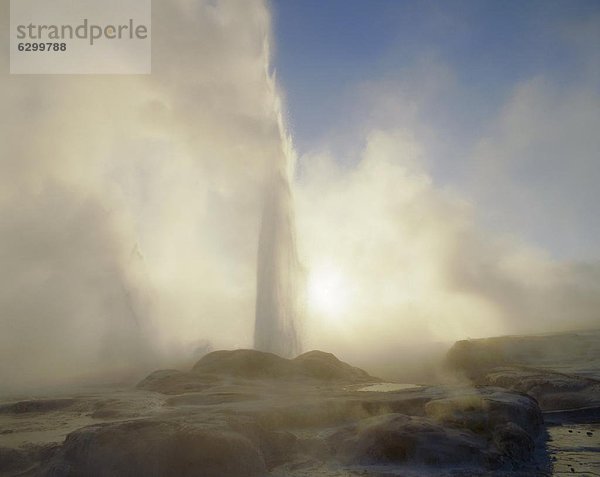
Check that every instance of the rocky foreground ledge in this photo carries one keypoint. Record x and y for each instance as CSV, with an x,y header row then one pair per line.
x,y
245,413
562,371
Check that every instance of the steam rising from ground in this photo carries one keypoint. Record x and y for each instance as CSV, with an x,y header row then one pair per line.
x,y
406,262
130,211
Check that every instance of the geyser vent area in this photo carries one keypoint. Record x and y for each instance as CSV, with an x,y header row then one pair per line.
x,y
280,276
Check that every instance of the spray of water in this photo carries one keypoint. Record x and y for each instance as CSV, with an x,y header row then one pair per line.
x,y
280,277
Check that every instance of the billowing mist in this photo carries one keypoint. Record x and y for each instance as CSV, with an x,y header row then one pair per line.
x,y
130,206
396,263
130,210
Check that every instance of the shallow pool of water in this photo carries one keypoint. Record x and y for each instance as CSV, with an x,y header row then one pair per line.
x,y
574,449
387,387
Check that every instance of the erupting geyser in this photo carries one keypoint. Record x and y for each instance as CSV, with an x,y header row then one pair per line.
x,y
280,277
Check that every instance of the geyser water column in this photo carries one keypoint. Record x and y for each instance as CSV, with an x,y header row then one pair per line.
x,y
280,276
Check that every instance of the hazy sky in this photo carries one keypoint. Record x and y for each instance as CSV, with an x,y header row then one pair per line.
x,y
460,75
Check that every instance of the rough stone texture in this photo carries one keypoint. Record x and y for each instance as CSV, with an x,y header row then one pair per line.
x,y
252,364
25,461
560,371
572,353
257,364
484,409
553,390
397,438
326,366
249,414
172,381
484,427
158,448
36,405
245,363
513,443
12,460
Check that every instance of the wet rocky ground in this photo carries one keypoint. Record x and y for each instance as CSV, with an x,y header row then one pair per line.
x,y
562,372
245,413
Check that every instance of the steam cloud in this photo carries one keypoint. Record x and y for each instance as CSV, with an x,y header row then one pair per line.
x,y
130,206
413,265
130,212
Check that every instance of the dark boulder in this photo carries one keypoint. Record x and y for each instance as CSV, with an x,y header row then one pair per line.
x,y
158,448
401,439
325,366
245,363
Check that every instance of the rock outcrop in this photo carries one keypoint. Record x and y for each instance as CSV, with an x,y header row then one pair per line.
x,y
251,364
245,413
560,371
158,448
401,439
487,428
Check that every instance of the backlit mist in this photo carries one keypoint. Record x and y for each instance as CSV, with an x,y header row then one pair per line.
x,y
131,206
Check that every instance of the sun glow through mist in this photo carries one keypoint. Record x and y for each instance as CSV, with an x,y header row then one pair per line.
x,y
328,292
